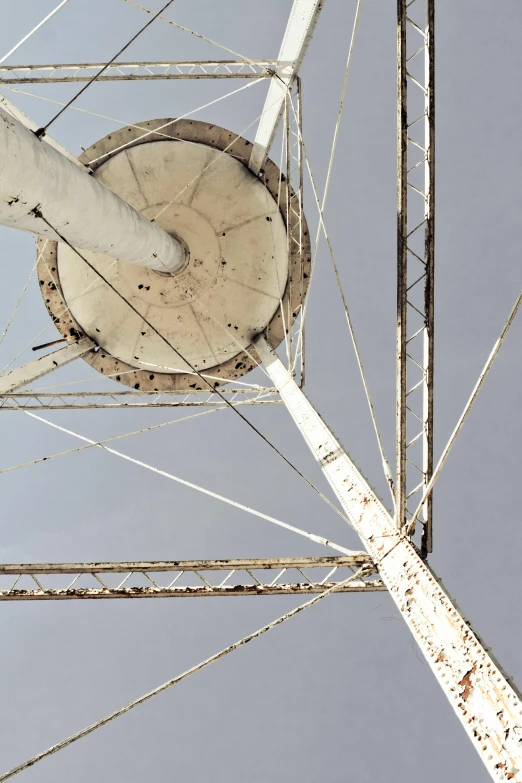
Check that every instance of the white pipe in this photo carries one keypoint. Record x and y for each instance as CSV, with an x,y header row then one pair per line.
x,y
82,210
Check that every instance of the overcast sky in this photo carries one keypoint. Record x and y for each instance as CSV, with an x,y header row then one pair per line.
x,y
340,692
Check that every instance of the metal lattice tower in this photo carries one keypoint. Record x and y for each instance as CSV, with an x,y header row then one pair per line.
x,y
174,257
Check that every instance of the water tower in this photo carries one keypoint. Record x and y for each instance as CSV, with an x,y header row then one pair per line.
x,y
174,257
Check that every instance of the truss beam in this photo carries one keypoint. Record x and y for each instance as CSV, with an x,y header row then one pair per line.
x,y
197,591
137,71
301,23
163,579
135,399
415,260
483,699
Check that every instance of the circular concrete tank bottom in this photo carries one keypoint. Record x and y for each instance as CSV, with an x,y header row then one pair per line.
x,y
191,178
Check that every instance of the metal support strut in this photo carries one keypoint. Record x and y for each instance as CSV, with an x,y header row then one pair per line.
x,y
207,578
485,702
34,370
138,71
298,33
415,259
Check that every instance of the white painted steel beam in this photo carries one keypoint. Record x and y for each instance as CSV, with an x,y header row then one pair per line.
x,y
415,261
136,71
191,398
486,703
33,370
39,184
208,578
299,30
355,560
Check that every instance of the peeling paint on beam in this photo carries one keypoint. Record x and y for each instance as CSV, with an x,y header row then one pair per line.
x,y
356,559
484,699
190,592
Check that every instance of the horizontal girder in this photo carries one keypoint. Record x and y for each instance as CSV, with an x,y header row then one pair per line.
x,y
137,71
192,398
163,579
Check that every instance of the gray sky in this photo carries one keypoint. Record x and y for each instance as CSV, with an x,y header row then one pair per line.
x,y
340,692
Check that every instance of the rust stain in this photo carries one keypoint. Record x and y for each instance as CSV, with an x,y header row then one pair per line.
x,y
502,766
466,683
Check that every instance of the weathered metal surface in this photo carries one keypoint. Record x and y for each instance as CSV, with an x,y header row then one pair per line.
x,y
402,266
49,344
484,700
115,400
198,591
126,142
36,180
32,371
357,559
301,23
301,354
260,573
415,259
429,291
137,71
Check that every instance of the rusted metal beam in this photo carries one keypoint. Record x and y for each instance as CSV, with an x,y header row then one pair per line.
x,y
160,579
357,559
402,265
197,591
415,259
485,701
429,292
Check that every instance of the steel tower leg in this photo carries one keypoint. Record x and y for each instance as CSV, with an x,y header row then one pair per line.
x,y
42,190
299,30
485,702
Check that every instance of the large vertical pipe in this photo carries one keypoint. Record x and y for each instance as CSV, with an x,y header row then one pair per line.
x,y
36,179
